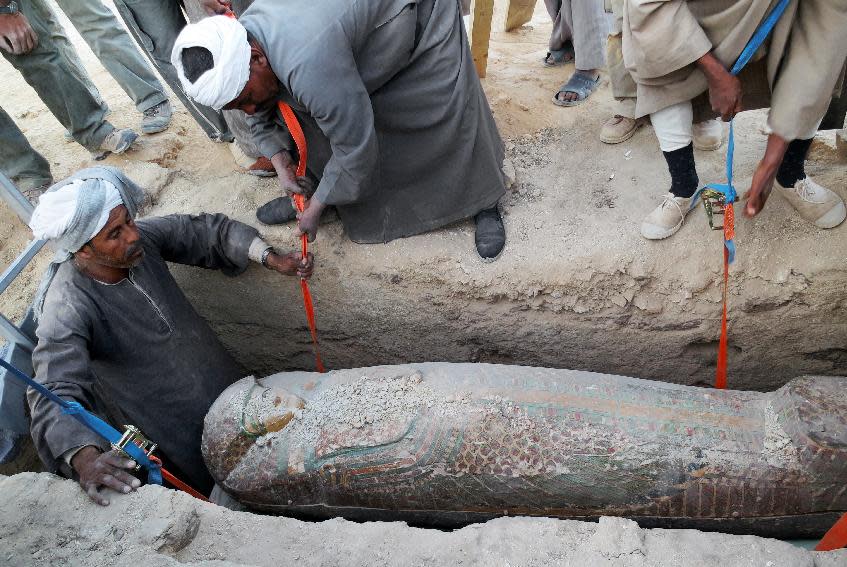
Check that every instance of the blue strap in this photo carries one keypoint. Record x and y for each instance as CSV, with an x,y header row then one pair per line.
x,y
759,37
91,421
728,189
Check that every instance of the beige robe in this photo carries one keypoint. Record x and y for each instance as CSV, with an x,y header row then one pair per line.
x,y
794,72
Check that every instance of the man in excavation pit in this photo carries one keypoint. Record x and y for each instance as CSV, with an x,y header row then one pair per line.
x,y
398,131
116,334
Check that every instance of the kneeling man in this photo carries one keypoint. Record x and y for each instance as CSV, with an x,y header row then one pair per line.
x,y
116,333
397,127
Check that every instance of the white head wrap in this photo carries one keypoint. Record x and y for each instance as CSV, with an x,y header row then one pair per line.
x,y
226,38
52,218
73,211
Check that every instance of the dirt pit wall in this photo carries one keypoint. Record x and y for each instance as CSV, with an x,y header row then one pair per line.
x,y
576,287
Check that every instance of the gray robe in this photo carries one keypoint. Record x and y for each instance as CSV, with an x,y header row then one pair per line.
x,y
397,126
137,352
794,72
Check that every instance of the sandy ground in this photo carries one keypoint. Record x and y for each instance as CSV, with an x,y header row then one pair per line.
x,y
159,527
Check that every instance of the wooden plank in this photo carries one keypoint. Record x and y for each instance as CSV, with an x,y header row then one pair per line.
x,y
519,13
483,11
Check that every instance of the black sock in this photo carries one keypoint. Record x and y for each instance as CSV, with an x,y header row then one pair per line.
x,y
684,180
792,169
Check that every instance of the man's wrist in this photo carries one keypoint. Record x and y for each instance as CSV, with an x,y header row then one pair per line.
x,y
265,256
85,452
8,7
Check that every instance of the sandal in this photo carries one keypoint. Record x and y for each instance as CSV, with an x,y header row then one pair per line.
x,y
559,56
578,84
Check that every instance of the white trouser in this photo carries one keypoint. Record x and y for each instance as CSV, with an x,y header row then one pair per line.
x,y
674,128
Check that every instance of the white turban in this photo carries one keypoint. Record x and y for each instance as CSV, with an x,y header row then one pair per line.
x,y
226,39
73,211
52,218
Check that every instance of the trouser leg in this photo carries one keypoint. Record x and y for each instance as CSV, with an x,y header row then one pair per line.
x,y
116,51
54,71
676,134
589,26
18,160
562,33
155,25
673,126
624,88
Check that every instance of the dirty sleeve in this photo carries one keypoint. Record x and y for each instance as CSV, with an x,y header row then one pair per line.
x,y
61,363
211,241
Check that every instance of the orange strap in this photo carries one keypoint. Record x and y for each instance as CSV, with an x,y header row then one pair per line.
x,y
728,234
176,483
300,202
836,537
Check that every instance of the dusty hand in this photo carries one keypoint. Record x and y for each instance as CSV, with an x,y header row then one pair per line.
x,y
289,182
98,470
297,185
760,188
213,7
292,264
309,219
16,35
763,178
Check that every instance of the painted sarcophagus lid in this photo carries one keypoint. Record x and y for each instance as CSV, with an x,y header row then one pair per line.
x,y
447,444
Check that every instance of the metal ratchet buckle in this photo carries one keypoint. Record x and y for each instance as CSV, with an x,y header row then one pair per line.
x,y
133,435
715,204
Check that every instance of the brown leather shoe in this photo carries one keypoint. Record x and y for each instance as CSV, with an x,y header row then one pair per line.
x,y
262,167
619,129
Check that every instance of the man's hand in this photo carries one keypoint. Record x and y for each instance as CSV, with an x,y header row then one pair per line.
x,y
218,7
724,87
286,171
292,264
763,178
96,470
309,219
16,35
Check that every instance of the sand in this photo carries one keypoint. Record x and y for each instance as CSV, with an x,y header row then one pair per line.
x,y
159,527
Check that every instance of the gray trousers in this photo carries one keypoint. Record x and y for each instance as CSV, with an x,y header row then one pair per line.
x,y
107,38
54,70
582,22
155,25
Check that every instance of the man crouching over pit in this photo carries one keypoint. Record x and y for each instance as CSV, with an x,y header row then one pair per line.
x,y
116,333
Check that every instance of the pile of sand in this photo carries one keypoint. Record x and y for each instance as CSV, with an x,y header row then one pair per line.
x,y
45,520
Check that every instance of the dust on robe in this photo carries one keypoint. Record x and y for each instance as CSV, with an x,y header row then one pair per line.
x,y
136,352
397,126
794,72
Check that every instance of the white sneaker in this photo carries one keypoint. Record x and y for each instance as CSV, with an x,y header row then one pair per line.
x,y
818,205
667,218
708,135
